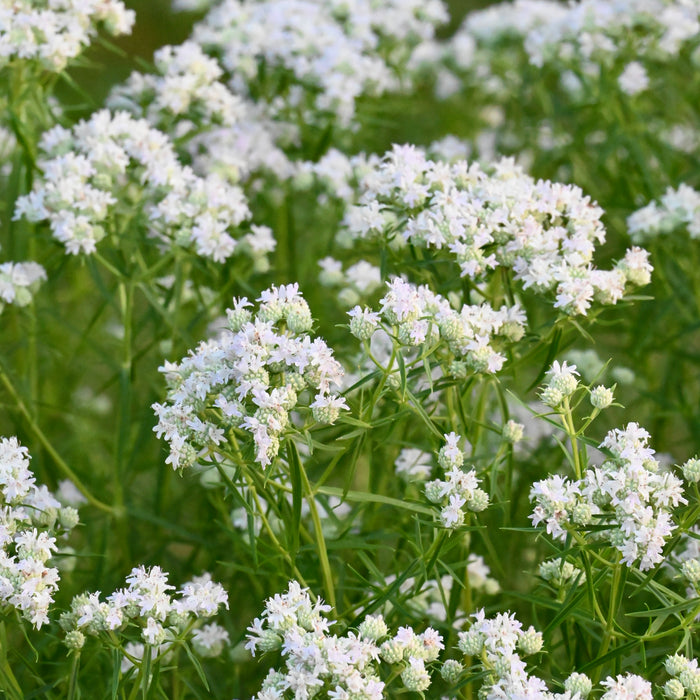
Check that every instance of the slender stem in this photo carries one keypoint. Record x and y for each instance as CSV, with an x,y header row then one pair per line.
x,y
612,610
320,541
60,463
266,524
73,683
568,421
467,605
126,299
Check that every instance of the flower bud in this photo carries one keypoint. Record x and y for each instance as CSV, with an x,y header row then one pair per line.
x,y
530,641
513,431
479,501
601,397
75,640
451,671
551,396
674,689
691,470
373,627
578,683
471,642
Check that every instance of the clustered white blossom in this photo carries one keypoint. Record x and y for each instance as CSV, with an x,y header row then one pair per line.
x,y
498,641
629,495
250,378
148,605
467,339
501,641
88,176
253,145
583,34
561,383
335,173
318,663
498,217
677,208
53,32
327,53
29,518
186,86
222,132
561,573
685,681
459,490
19,282
629,686
356,282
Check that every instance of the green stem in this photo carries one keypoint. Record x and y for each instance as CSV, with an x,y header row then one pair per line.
x,y
126,299
568,422
320,541
467,605
612,611
73,682
46,444
266,523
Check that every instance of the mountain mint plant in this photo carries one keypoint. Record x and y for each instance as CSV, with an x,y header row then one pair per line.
x,y
356,345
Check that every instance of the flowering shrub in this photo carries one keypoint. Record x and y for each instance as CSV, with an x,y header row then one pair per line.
x,y
345,302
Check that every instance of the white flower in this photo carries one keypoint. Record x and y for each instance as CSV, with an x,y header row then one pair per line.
x,y
250,377
57,33
634,78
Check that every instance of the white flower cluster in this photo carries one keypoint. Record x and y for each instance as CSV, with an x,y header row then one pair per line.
x,y
677,208
336,173
29,517
148,605
628,494
459,490
499,217
318,663
53,32
500,642
587,32
19,282
419,316
331,51
250,378
114,160
685,681
186,85
223,133
561,383
561,573
254,144
356,282
630,686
